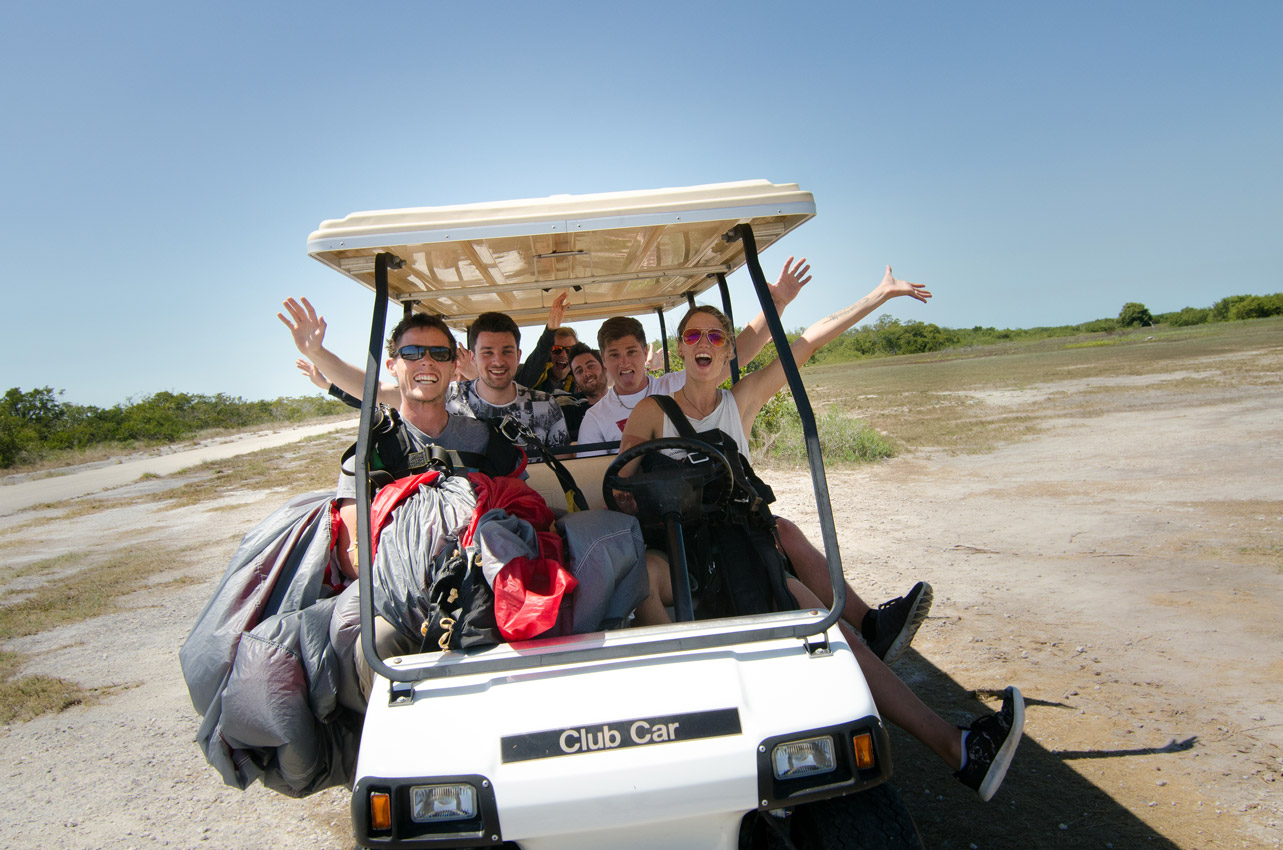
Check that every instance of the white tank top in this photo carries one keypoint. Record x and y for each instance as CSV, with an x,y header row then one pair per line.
x,y
725,417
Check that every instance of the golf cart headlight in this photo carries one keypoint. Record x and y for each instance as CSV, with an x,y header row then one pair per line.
x,y
803,758
430,803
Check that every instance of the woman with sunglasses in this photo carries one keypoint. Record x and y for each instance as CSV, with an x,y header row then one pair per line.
x,y
981,754
705,342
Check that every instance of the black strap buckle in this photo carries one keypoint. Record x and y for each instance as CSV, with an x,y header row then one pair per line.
x,y
511,429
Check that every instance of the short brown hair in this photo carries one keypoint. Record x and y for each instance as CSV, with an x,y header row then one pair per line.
x,y
420,320
618,327
497,323
583,348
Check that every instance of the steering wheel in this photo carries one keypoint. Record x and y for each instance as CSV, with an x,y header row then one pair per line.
x,y
673,490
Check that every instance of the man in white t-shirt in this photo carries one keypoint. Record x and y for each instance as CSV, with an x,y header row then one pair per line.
x,y
622,341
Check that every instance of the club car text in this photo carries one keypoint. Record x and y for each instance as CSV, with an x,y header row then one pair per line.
x,y
615,735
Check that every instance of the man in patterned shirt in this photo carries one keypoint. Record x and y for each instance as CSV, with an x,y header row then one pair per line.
x,y
494,341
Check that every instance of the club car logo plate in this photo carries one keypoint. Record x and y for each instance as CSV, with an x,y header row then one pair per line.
x,y
618,734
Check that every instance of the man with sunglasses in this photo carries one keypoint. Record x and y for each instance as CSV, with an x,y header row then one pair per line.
x,y
547,369
421,356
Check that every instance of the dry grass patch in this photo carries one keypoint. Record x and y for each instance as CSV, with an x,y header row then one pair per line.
x,y
58,563
93,590
27,697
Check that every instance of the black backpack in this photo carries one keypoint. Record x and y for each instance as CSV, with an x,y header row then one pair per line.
x,y
394,457
733,555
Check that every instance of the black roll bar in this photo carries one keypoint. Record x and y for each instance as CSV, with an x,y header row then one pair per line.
x,y
369,399
744,233
730,316
663,336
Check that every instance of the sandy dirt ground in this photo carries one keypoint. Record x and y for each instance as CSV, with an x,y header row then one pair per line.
x,y
1122,569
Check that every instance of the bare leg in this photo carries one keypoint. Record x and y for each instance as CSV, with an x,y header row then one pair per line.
x,y
651,612
813,570
893,698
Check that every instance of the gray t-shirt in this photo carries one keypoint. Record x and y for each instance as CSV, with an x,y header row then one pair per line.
x,y
461,433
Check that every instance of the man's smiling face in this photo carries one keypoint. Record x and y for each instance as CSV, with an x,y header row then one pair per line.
x,y
625,360
589,375
423,380
497,359
559,357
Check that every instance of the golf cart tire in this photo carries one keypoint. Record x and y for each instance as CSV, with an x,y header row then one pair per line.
x,y
876,819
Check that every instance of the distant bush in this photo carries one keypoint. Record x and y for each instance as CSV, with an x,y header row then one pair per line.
x,y
1134,314
1257,307
36,422
1184,318
1098,326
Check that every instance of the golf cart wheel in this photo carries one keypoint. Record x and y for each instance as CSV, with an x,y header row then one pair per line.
x,y
875,819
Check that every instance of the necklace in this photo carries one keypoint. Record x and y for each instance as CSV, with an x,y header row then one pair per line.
x,y
696,406
644,391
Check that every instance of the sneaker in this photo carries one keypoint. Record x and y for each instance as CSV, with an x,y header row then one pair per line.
x,y
889,628
990,743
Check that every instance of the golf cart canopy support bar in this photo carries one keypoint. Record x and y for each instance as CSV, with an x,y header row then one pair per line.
x,y
619,252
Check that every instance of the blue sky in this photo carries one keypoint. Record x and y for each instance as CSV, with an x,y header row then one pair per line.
x,y
1034,163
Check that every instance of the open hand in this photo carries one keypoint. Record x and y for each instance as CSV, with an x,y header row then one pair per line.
x,y
655,357
465,365
793,277
892,287
307,328
557,314
313,374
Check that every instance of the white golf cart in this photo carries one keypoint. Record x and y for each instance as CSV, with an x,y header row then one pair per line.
x,y
745,732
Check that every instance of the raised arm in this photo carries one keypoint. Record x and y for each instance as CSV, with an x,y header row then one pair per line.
x,y
751,340
756,389
308,329
530,371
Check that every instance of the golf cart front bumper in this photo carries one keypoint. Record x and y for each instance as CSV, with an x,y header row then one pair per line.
x,y
666,751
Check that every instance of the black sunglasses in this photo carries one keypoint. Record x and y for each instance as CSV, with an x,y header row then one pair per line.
x,y
439,353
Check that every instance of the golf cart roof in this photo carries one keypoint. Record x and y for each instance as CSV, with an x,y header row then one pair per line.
x,y
618,252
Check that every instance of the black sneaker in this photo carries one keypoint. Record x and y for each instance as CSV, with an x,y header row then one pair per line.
x,y
991,742
889,628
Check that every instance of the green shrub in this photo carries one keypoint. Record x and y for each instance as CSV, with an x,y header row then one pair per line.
x,y
777,435
1098,326
1256,307
1134,314
1186,317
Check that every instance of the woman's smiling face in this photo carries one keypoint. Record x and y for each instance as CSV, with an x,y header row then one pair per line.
x,y
703,357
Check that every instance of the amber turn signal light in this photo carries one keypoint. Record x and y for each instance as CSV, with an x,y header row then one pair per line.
x,y
863,750
380,810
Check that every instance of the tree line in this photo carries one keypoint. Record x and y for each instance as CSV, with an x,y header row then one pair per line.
x,y
35,423
888,336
